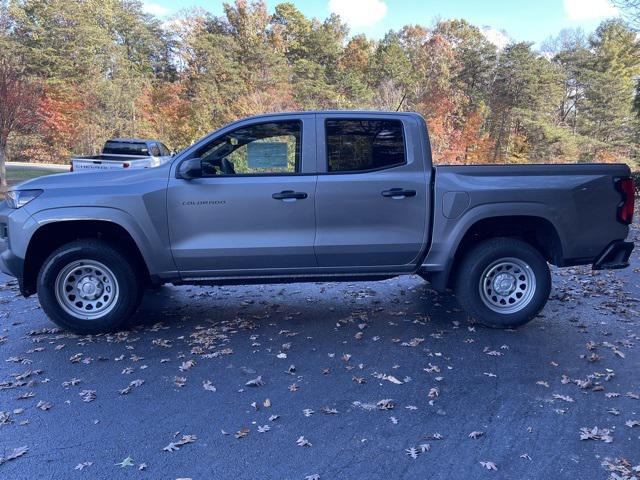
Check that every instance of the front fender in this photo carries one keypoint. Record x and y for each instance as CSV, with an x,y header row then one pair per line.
x,y
158,260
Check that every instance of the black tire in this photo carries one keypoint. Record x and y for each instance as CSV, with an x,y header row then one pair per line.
x,y
492,280
58,274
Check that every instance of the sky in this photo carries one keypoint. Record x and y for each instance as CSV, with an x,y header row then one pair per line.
x,y
528,20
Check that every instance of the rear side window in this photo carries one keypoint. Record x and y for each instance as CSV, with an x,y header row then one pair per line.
x,y
125,148
361,145
155,150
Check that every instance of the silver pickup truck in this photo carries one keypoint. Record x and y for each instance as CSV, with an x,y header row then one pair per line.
x,y
122,153
312,196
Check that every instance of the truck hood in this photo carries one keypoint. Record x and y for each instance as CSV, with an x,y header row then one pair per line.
x,y
108,178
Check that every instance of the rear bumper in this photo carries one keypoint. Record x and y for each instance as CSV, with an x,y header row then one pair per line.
x,y
614,256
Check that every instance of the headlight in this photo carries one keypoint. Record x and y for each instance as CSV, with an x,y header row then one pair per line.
x,y
19,198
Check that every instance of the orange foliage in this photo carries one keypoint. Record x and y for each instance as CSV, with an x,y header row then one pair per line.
x,y
167,113
61,124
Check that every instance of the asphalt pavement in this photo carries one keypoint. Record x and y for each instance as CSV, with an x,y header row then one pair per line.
x,y
384,380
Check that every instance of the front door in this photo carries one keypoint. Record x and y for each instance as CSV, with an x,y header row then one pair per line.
x,y
253,211
372,199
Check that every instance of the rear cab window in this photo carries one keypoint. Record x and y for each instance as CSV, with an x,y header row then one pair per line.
x,y
125,148
363,145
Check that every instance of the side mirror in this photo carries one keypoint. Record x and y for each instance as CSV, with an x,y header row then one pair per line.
x,y
190,169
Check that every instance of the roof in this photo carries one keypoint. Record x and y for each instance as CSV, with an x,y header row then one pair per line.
x,y
132,140
335,112
321,112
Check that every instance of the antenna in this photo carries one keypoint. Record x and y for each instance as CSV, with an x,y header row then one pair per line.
x,y
404,95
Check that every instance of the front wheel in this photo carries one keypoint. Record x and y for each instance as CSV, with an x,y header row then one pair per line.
x,y
503,282
88,286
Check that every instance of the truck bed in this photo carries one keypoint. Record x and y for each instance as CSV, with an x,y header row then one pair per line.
x,y
579,201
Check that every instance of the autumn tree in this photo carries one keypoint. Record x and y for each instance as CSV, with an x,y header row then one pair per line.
x,y
18,107
109,69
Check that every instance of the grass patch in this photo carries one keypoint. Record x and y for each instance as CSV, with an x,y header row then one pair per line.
x,y
20,174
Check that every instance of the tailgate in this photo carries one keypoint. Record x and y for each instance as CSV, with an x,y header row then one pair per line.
x,y
79,165
83,164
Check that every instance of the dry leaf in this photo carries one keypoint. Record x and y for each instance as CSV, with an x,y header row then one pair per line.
x,y
173,446
208,385
243,432
385,404
596,433
489,465
83,465
15,453
565,398
255,382
127,462
186,365
412,452
303,442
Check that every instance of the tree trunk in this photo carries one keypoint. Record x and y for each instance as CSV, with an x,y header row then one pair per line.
x,y
3,167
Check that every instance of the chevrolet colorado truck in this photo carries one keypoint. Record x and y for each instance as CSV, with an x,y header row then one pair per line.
x,y
120,153
310,197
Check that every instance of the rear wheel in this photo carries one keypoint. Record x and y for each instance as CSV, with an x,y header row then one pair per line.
x,y
503,282
88,286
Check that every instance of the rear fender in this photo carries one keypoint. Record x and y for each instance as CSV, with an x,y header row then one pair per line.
x,y
448,234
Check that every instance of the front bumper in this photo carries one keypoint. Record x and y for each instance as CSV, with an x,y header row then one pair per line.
x,y
10,262
614,256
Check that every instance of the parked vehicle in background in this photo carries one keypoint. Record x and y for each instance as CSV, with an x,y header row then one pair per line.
x,y
312,196
120,153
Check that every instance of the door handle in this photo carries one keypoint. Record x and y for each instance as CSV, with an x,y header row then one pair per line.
x,y
289,196
398,193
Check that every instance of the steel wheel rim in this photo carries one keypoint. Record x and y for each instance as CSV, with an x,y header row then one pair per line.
x,y
507,285
86,289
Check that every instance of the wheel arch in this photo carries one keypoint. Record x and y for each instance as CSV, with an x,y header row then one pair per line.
x,y
52,234
534,228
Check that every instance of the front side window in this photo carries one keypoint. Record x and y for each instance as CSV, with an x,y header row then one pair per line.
x,y
261,149
361,145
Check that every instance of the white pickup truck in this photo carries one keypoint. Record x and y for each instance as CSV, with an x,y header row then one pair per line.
x,y
120,153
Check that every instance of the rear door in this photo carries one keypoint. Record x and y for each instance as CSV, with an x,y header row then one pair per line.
x,y
253,212
372,192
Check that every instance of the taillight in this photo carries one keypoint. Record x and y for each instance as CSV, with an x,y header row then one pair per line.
x,y
625,209
125,165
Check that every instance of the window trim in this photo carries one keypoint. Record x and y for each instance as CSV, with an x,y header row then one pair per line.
x,y
370,170
274,174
